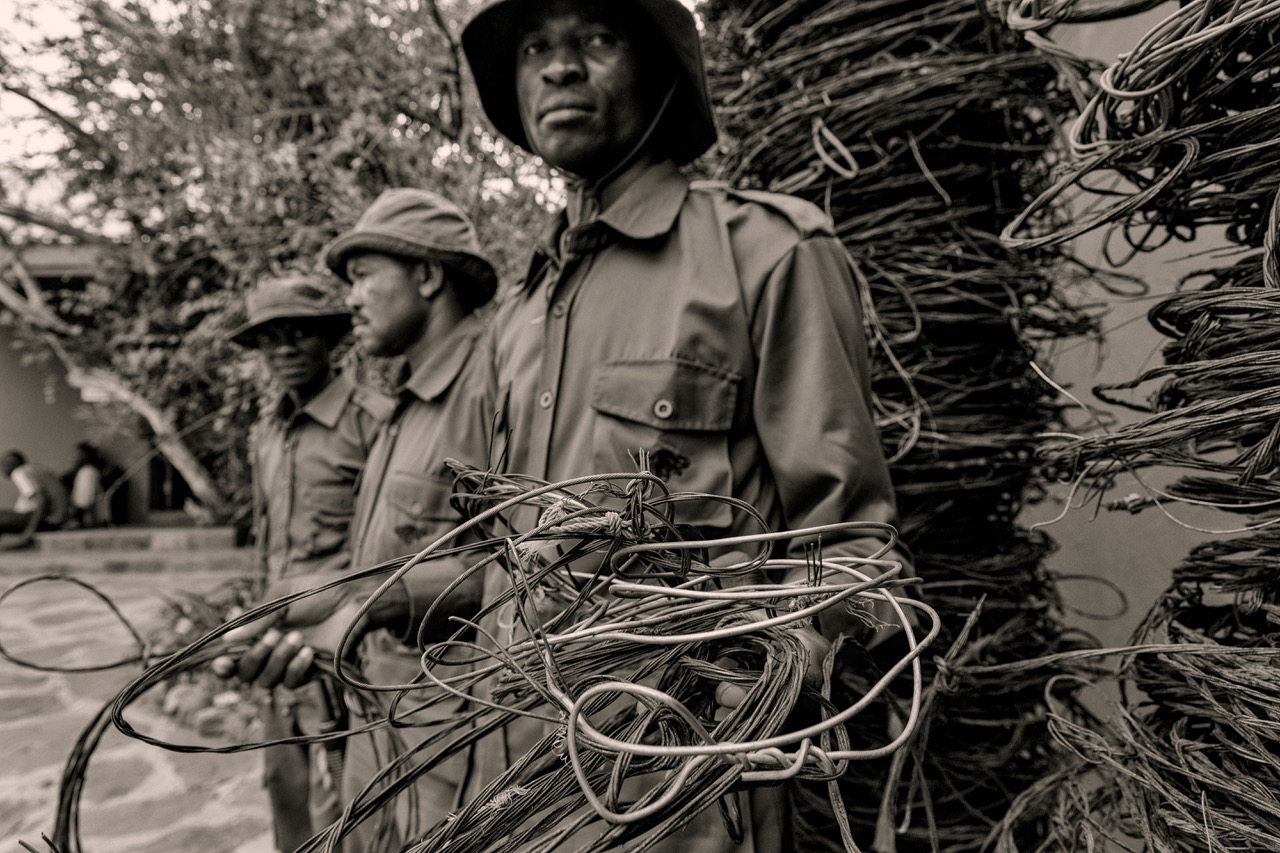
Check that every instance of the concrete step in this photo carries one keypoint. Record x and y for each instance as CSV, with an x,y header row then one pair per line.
x,y
34,561
135,538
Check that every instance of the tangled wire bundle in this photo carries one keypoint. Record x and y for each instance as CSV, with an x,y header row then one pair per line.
x,y
1189,762
1182,136
1189,120
616,630
921,128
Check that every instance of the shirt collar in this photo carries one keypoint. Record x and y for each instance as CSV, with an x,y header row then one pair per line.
x,y
647,208
324,408
434,376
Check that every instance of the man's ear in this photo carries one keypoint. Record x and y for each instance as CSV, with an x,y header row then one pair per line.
x,y
432,279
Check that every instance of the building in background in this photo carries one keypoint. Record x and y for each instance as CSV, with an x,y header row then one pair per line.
x,y
39,414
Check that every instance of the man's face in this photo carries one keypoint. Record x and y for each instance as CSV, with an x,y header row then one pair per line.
x,y
296,352
389,313
579,85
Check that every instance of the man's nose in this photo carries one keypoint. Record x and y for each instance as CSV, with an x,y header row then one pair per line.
x,y
564,65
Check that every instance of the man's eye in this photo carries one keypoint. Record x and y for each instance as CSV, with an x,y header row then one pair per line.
x,y
533,48
600,39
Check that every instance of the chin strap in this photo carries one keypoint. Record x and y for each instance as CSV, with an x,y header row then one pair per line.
x,y
584,195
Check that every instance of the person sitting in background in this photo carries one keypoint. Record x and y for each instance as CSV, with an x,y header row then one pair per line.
x,y
41,504
86,483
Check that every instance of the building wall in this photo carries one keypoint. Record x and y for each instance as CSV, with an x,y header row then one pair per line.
x,y
38,415
39,411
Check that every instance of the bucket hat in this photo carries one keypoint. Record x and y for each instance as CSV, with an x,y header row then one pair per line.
x,y
292,297
490,41
420,225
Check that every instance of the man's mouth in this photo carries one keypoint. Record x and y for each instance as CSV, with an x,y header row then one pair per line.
x,y
565,111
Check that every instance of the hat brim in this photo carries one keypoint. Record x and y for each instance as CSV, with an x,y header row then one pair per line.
x,y
244,335
490,41
481,276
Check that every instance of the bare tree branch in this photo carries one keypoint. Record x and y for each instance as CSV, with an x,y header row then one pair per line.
x,y
167,436
33,308
53,330
79,133
37,315
21,214
453,75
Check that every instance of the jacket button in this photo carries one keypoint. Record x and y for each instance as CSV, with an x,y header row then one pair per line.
x,y
416,509
663,409
545,399
558,310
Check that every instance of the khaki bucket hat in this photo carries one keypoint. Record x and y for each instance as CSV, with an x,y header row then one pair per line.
x,y
490,41
419,225
292,297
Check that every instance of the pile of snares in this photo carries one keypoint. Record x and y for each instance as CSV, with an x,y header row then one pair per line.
x,y
921,127
1181,138
621,628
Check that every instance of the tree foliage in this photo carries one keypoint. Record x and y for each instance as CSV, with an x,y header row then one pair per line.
x,y
206,143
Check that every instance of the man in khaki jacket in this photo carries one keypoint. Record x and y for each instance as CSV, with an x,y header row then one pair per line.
x,y
717,330
417,281
309,447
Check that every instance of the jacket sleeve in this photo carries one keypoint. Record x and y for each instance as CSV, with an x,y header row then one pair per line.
x,y
812,400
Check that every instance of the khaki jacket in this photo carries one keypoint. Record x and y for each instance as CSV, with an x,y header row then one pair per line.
x,y
306,464
721,331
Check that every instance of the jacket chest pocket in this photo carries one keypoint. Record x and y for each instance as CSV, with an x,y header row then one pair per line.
x,y
420,507
329,508
334,502
678,412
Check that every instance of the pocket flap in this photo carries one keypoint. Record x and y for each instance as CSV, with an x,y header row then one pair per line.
x,y
667,394
331,498
421,496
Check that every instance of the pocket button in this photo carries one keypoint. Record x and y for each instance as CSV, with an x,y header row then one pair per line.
x,y
663,409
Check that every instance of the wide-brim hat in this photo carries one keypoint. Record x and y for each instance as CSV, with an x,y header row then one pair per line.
x,y
292,297
491,38
418,225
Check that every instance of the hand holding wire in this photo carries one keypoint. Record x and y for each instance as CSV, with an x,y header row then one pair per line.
x,y
284,641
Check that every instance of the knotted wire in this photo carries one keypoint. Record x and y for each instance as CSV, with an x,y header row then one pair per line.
x,y
644,618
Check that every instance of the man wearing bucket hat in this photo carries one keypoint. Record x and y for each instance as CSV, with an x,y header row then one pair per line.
x,y
417,279
309,447
719,330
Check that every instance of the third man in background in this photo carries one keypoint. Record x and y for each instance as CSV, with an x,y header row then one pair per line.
x,y
309,446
